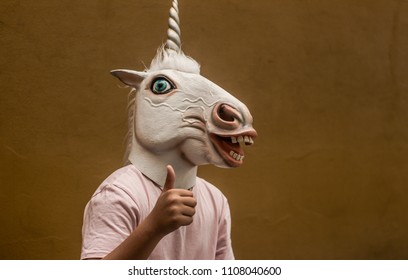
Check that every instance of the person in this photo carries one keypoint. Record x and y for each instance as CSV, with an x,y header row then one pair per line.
x,y
156,207
131,217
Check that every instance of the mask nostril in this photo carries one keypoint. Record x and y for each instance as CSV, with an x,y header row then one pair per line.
x,y
225,113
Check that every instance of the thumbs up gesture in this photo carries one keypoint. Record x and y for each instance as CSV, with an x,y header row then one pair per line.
x,y
174,207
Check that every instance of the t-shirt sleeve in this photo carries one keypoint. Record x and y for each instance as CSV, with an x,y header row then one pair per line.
x,y
109,218
224,246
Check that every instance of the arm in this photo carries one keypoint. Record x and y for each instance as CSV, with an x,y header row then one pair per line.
x,y
174,208
224,247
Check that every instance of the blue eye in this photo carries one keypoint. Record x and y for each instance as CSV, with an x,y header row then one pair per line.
x,y
161,86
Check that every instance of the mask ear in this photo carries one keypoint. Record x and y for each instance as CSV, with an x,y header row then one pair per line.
x,y
129,77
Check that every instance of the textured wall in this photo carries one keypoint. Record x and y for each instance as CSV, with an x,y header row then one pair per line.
x,y
326,81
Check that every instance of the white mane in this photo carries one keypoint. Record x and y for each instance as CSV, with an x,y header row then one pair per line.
x,y
130,133
170,59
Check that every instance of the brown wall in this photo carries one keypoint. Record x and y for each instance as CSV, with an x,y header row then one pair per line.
x,y
326,81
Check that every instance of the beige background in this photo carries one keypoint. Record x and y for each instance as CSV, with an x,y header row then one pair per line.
x,y
326,82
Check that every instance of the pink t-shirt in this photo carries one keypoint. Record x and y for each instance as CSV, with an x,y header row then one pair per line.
x,y
127,197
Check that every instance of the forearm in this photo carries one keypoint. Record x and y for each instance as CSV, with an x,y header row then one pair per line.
x,y
139,245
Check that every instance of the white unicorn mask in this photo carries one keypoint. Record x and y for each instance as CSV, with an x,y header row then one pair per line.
x,y
180,118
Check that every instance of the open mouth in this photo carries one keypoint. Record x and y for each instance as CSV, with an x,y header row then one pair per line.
x,y
230,147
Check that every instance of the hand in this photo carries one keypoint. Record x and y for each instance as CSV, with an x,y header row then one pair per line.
x,y
174,207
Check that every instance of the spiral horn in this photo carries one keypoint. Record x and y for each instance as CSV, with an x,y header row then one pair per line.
x,y
173,32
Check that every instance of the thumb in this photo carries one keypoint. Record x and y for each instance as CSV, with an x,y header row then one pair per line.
x,y
170,179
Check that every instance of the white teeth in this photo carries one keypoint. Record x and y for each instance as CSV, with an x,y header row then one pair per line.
x,y
236,156
242,139
249,140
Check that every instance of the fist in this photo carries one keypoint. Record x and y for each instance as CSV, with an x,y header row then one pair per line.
x,y
174,207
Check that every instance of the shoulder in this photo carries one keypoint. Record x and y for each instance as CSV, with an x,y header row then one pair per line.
x,y
203,184
127,182
208,191
126,176
126,192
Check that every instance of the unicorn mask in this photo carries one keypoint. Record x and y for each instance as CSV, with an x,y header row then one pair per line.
x,y
180,118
